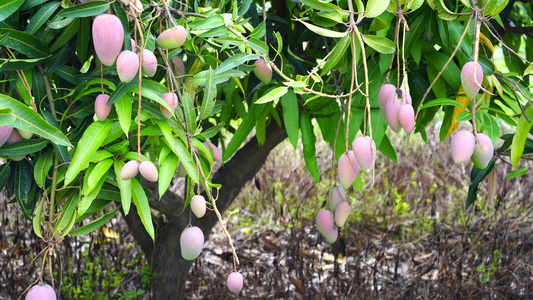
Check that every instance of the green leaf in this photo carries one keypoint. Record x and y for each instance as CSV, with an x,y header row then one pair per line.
x,y
320,5
274,94
517,173
386,148
441,102
375,8
185,158
291,116
36,221
82,10
83,39
143,208
259,31
99,171
209,23
42,166
21,187
442,11
476,176
24,43
123,108
258,45
379,43
93,225
166,172
519,139
323,31
5,173
235,61
67,213
8,7
91,140
23,147
200,78
336,54
244,129
6,117
124,186
121,90
68,33
188,110
308,142
210,93
41,16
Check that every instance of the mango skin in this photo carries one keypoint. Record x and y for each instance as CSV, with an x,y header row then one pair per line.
x,y
348,169
384,93
25,134
198,206
483,151
191,243
467,79
127,65
235,282
172,100
463,144
217,155
172,38
364,149
108,37
14,137
342,212
406,116
180,170
5,132
326,225
101,108
41,292
262,71
130,170
336,196
179,66
148,171
149,63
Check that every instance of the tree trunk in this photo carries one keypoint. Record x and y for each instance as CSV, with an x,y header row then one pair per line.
x,y
170,269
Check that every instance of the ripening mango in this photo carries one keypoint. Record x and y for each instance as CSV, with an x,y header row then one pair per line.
x,y
149,63
25,134
101,108
384,93
262,71
172,100
148,171
217,155
336,196
394,102
130,170
348,169
178,66
5,132
172,38
483,151
364,149
235,282
108,37
41,292
127,65
406,116
463,144
326,225
198,206
191,242
342,212
14,137
467,79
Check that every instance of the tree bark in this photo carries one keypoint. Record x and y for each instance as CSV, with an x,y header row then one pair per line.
x,y
169,268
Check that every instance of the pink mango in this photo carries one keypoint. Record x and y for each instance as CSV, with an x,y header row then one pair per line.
x,y
179,66
172,38
384,93
342,212
172,100
348,169
467,79
336,196
127,65
5,132
101,108
463,144
235,282
191,242
148,171
364,149
198,206
326,225
149,63
108,37
483,151
130,170
262,71
406,116
41,292
217,155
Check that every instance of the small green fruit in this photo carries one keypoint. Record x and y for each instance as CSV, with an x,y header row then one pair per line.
x,y
172,38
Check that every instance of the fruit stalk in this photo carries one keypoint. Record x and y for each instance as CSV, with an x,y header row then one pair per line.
x,y
138,26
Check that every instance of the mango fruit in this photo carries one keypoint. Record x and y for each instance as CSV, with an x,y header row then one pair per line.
x,y
127,65
172,38
108,37
191,242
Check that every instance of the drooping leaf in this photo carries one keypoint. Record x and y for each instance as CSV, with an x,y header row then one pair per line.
x,y
124,186
95,224
519,139
323,31
143,208
476,176
123,108
337,53
42,167
308,142
379,43
166,172
291,116
22,186
210,93
91,140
